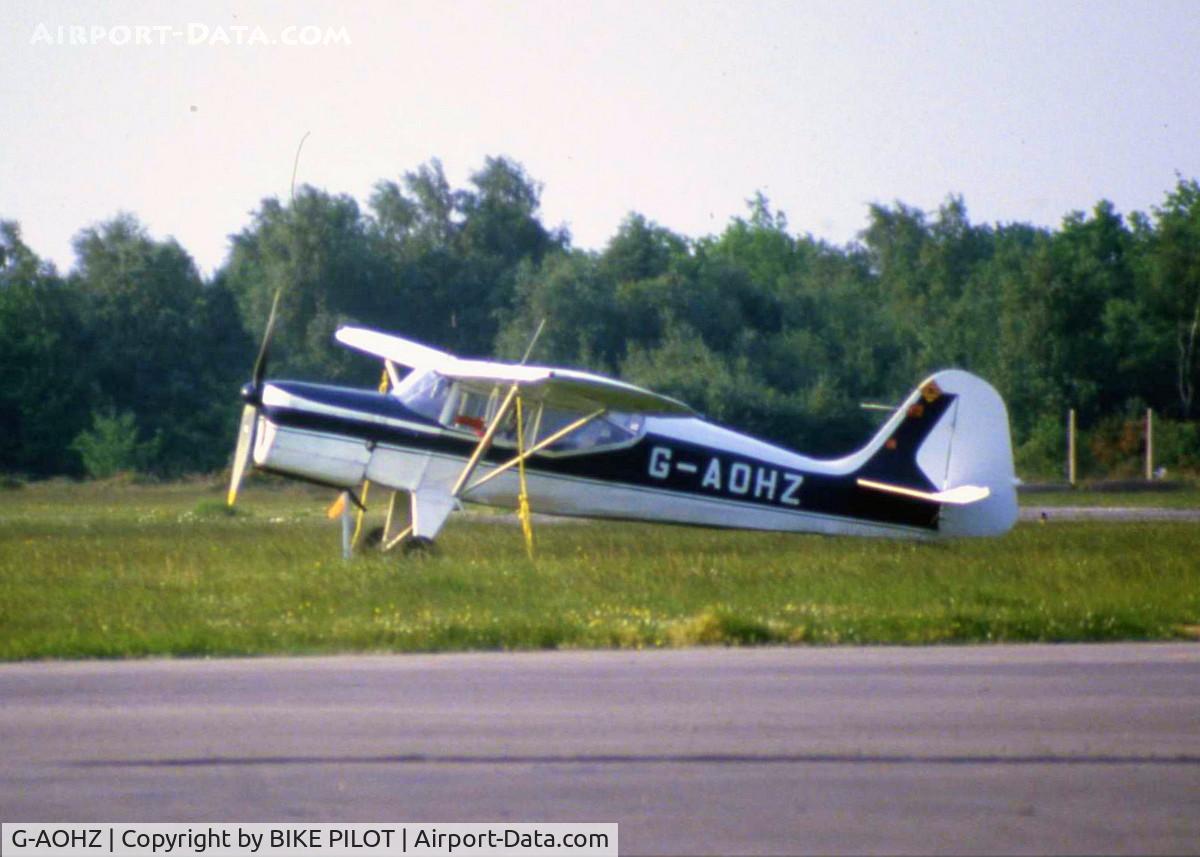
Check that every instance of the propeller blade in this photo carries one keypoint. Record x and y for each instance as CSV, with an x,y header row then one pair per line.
x,y
245,439
241,455
260,365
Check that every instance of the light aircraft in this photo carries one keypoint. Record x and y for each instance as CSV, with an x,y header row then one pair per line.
x,y
566,442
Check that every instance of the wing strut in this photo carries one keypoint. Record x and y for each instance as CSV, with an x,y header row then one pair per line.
x,y
523,454
484,442
549,440
518,461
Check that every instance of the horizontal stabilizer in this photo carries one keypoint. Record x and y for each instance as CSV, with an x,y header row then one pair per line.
x,y
962,495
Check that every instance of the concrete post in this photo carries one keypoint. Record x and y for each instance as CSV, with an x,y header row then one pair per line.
x,y
1149,444
1071,447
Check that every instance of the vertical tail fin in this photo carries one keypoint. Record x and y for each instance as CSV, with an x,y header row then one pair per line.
x,y
948,443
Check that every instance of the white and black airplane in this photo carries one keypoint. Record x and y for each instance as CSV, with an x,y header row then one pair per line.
x,y
565,442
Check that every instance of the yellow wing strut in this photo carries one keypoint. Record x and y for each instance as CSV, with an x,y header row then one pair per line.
x,y
484,442
362,509
549,440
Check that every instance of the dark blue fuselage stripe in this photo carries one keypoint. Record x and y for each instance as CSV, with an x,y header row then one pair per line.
x,y
836,496
664,493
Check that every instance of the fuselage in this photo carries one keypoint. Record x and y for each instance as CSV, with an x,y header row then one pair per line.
x,y
667,469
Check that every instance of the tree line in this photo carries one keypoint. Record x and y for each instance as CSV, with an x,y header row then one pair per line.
x,y
132,359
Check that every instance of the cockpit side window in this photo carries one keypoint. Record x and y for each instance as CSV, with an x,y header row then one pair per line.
x,y
472,411
448,402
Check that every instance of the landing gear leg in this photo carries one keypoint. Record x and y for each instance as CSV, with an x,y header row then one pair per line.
x,y
398,526
397,531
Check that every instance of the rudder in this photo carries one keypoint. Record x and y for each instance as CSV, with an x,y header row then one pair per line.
x,y
949,443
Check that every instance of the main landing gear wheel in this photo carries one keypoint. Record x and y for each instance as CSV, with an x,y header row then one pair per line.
x,y
418,546
373,539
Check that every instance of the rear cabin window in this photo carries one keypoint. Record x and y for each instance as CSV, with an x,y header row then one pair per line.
x,y
611,430
441,399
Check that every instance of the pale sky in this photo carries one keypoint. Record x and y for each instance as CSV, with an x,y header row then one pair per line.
x,y
677,110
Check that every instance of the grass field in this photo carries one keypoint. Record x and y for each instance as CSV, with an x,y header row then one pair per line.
x,y
116,570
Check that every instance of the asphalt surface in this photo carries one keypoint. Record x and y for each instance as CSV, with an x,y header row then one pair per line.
x,y
1004,749
1107,513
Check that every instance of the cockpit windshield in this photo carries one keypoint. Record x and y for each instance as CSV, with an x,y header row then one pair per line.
x,y
424,392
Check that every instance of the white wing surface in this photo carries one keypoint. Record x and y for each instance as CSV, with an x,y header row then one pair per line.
x,y
565,388
403,352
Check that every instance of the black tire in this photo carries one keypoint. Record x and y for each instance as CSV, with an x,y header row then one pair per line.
x,y
418,546
373,538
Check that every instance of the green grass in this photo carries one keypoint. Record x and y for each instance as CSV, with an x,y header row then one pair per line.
x,y
117,570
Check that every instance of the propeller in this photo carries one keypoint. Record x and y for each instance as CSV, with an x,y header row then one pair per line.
x,y
252,394
260,363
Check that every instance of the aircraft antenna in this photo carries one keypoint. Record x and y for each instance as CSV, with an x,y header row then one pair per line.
x,y
536,335
296,163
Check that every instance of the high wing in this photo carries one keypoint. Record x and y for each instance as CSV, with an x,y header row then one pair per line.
x,y
403,352
564,388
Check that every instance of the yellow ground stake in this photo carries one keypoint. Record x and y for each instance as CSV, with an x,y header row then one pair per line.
x,y
523,500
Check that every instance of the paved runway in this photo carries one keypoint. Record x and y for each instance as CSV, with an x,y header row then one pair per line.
x,y
1005,749
1123,514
